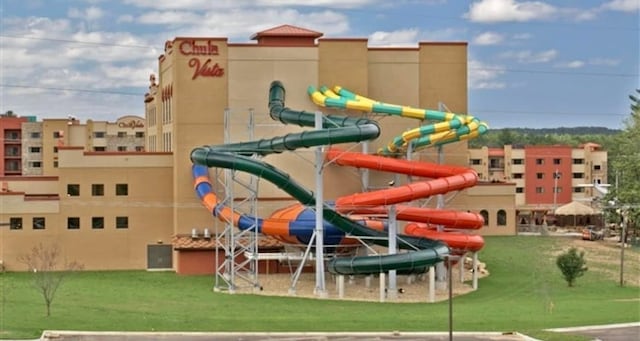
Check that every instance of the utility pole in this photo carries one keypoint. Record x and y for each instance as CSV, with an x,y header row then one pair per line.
x,y
623,238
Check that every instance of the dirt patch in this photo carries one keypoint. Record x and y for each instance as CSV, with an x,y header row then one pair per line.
x,y
603,256
413,288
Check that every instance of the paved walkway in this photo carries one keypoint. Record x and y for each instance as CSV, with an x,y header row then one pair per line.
x,y
112,336
613,332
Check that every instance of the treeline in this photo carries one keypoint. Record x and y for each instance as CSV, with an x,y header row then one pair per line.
x,y
573,137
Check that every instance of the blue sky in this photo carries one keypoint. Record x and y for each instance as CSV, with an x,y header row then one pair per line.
x,y
531,63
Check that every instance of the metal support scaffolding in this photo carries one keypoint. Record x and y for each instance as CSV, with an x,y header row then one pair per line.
x,y
320,289
237,270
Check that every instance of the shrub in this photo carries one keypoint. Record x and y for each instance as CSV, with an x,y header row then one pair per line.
x,y
572,265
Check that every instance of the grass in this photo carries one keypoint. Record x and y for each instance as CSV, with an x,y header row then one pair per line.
x,y
525,292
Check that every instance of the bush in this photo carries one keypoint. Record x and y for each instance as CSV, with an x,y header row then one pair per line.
x,y
572,265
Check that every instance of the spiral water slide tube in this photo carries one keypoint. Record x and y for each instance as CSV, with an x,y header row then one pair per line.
x,y
443,178
337,129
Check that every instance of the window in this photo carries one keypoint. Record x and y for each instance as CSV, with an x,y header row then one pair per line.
x,y
539,175
35,135
122,134
122,148
139,149
12,135
122,189
73,190
519,190
517,175
99,134
99,149
38,223
55,164
557,161
57,134
55,149
557,189
97,190
122,222
97,222
139,133
496,163
578,161
15,223
539,161
578,190
34,149
485,216
35,164
517,161
476,161
596,167
578,175
539,190
502,217
73,223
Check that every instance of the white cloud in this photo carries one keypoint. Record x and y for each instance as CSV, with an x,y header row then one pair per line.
x,y
529,57
574,64
406,37
488,38
126,18
623,5
485,76
90,13
246,4
240,25
487,11
168,18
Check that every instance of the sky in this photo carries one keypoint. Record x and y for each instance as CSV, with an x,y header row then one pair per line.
x,y
531,64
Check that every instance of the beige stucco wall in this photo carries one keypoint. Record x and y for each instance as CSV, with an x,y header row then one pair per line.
x,y
148,207
493,197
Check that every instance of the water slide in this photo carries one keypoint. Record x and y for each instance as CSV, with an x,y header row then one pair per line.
x,y
337,129
424,222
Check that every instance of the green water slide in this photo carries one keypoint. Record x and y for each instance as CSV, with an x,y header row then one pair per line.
x,y
336,129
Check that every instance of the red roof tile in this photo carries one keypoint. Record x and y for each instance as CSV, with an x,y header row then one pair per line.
x,y
496,152
287,31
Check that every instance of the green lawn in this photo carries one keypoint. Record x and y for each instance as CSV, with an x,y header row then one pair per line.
x,y
523,284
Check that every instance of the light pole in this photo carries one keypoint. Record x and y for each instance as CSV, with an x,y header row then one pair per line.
x,y
556,176
625,219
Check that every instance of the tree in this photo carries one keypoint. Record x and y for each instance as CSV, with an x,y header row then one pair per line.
x,y
572,265
42,261
625,158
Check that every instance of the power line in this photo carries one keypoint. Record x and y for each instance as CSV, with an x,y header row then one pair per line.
x,y
497,69
472,111
60,40
524,112
70,89
572,73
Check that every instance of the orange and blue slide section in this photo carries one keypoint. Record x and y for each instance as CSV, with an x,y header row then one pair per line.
x,y
296,224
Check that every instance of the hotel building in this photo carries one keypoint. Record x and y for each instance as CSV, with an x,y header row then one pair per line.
x,y
113,201
545,177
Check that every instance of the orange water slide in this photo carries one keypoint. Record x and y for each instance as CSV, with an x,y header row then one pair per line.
x,y
423,221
